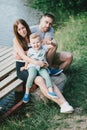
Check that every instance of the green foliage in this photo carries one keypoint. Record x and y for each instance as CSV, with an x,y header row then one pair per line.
x,y
54,5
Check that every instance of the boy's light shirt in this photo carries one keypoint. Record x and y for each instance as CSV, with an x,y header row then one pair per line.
x,y
39,55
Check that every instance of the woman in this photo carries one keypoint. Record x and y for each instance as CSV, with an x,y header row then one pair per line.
x,y
21,45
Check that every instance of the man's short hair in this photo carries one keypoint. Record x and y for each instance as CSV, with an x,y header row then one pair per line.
x,y
48,15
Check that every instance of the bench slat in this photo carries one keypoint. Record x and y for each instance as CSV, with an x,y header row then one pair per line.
x,y
7,65
6,60
8,80
3,48
7,71
5,56
10,88
5,51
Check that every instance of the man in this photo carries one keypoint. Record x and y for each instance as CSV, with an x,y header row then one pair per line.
x,y
46,32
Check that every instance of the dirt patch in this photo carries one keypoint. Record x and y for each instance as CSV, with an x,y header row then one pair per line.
x,y
70,122
75,122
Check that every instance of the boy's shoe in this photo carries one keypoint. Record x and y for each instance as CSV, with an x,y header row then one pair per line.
x,y
26,98
55,71
66,108
52,94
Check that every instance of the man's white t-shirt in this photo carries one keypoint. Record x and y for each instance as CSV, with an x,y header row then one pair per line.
x,y
43,35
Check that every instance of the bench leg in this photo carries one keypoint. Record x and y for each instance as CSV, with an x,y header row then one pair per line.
x,y
11,110
19,89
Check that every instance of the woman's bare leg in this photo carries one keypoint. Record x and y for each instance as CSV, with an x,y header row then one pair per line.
x,y
58,93
41,83
61,101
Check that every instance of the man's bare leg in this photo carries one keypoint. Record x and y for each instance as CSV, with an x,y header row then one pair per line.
x,y
64,58
50,55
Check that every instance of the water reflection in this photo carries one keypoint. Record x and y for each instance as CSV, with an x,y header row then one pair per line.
x,y
9,12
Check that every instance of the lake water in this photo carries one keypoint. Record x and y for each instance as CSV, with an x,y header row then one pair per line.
x,y
9,12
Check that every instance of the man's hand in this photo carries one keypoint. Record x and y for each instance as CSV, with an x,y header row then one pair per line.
x,y
46,64
49,42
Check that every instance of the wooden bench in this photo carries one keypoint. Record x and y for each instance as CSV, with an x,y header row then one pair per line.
x,y
8,76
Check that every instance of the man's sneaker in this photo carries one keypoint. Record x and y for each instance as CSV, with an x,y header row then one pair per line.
x,y
52,94
66,108
26,98
55,71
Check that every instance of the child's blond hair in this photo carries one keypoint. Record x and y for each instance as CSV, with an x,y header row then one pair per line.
x,y
34,36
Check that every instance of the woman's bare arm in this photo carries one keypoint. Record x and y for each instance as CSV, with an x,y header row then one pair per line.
x,y
22,55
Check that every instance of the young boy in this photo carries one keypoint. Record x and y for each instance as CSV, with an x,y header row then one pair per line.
x,y
37,52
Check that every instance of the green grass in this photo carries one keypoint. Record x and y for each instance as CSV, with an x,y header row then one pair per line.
x,y
72,36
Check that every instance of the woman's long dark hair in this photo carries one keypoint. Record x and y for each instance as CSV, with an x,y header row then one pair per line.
x,y
19,38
